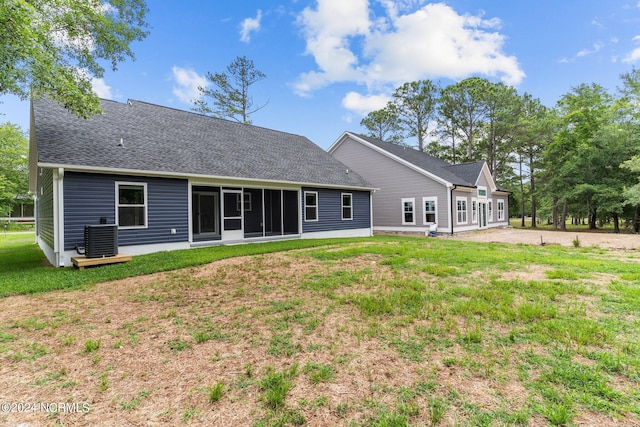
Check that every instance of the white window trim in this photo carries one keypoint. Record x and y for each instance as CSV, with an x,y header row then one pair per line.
x,y
433,199
315,206
146,205
489,210
466,210
342,206
486,193
474,212
247,206
413,210
500,211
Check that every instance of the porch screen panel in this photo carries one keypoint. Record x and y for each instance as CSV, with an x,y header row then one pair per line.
x,y
253,221
273,212
290,212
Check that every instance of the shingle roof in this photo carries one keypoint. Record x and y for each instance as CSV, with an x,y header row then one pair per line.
x,y
462,175
165,140
468,171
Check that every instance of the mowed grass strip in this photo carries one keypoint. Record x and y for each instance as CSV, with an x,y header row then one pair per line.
x,y
388,331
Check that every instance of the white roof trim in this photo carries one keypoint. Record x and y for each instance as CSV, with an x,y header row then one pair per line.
x,y
117,171
411,166
487,174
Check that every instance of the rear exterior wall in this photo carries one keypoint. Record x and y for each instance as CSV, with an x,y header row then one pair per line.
x,y
395,182
88,198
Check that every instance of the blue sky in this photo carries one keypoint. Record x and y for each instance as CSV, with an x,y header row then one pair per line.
x,y
329,62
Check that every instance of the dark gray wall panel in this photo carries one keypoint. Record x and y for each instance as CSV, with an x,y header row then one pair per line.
x,y
90,197
330,211
45,206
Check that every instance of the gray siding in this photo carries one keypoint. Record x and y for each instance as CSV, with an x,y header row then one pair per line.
x,y
395,182
90,197
45,218
330,211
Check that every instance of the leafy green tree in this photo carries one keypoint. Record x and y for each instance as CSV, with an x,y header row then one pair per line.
x,y
384,124
416,104
582,163
14,169
55,48
632,193
230,94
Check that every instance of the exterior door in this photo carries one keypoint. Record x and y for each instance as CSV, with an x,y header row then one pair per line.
x,y
232,221
482,220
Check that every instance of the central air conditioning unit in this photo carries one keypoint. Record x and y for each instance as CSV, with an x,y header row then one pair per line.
x,y
100,240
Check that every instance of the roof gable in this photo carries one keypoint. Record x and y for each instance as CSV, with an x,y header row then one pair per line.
x,y
425,163
164,140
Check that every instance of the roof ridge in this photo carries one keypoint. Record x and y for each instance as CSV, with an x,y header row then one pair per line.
x,y
231,122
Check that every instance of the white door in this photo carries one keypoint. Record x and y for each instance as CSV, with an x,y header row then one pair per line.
x,y
232,228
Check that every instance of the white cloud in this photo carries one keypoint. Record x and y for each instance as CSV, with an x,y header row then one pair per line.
x,y
634,55
102,89
596,48
250,25
186,84
363,104
327,30
350,44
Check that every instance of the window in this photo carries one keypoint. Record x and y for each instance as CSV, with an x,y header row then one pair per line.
x,y
482,192
490,210
247,202
347,206
430,210
500,210
310,205
461,210
474,211
131,205
408,208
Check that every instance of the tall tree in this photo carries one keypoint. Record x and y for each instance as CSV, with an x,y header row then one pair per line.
x,y
538,127
631,193
384,124
572,160
14,172
230,94
502,124
463,107
56,48
416,106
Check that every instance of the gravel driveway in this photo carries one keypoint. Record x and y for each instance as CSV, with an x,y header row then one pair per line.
x,y
563,238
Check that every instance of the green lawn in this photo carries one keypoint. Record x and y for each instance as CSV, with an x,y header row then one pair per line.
x,y
382,331
25,270
605,228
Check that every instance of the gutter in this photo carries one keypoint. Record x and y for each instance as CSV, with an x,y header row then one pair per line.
x,y
451,205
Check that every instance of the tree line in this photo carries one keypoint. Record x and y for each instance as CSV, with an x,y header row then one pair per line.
x,y
579,159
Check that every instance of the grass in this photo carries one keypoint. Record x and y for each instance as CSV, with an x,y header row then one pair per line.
x,y
384,331
26,271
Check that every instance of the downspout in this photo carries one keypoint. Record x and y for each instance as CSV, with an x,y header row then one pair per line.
x,y
371,212
58,216
451,207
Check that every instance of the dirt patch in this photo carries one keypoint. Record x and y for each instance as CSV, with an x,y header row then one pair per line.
x,y
146,350
538,237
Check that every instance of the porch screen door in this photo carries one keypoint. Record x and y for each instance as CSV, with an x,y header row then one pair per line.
x,y
232,215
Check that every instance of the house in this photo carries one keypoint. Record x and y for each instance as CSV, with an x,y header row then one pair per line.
x,y
418,191
172,179
22,210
